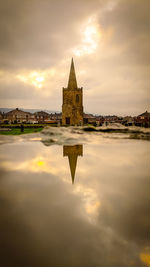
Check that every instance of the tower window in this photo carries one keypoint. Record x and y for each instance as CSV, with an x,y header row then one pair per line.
x,y
77,98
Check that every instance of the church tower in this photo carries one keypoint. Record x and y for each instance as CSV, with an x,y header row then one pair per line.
x,y
72,108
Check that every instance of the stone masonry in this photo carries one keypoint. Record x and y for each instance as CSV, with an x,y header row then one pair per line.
x,y
72,108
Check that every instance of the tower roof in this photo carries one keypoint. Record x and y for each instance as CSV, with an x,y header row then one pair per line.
x,y
72,83
73,164
72,152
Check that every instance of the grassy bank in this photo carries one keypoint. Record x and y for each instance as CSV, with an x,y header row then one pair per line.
x,y
17,131
37,125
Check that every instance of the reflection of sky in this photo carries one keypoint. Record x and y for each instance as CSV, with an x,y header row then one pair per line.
x,y
101,220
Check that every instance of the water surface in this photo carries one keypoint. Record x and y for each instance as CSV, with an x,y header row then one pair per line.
x,y
76,200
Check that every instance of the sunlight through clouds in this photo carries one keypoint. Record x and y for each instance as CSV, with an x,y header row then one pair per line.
x,y
145,258
90,33
101,36
36,78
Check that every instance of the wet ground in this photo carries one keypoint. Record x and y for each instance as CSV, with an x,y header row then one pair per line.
x,y
70,197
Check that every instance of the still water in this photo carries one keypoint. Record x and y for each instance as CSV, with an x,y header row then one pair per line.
x,y
83,201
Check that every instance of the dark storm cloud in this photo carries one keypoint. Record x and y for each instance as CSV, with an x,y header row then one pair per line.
x,y
32,234
128,215
130,23
131,16
19,90
37,33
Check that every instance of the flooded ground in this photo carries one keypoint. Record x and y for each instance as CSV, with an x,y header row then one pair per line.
x,y
69,197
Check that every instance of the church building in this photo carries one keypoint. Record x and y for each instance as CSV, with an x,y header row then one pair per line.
x,y
72,108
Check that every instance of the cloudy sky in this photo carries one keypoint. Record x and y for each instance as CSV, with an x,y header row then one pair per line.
x,y
108,39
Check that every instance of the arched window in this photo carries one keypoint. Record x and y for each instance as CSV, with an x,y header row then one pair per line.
x,y
77,98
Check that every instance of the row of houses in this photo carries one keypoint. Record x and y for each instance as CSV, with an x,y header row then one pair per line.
x,y
20,116
143,119
140,120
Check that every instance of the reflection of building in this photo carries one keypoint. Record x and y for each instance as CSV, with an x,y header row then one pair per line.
x,y
72,152
72,108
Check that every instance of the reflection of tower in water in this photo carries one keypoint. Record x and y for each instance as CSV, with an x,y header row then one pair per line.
x,y
73,152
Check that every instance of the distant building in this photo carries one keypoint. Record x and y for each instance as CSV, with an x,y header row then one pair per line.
x,y
20,116
128,121
72,152
56,116
72,108
143,119
42,116
1,116
145,115
17,116
89,118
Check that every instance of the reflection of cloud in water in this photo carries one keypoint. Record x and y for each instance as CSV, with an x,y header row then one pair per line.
x,y
103,220
88,195
38,164
90,200
49,162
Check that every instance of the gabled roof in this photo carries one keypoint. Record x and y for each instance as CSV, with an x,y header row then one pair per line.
x,y
88,116
145,114
15,111
41,113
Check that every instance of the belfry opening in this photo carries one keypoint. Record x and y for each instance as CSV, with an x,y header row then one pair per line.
x,y
72,107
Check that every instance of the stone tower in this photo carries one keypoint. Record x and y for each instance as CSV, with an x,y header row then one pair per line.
x,y
72,108
72,152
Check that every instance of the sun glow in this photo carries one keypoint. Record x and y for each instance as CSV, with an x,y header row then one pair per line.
x,y
90,39
37,164
36,78
145,258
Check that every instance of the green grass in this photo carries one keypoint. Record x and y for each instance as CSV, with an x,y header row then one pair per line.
x,y
18,131
37,125
30,125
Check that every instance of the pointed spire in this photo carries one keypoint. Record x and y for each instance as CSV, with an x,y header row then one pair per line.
x,y
72,83
73,152
73,164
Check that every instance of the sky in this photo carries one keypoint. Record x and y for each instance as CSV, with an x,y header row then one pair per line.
x,y
109,41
